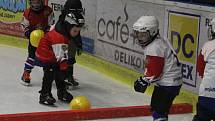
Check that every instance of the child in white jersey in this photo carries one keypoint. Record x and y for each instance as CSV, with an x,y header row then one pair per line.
x,y
162,67
206,68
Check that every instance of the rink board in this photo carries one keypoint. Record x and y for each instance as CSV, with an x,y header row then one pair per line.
x,y
93,114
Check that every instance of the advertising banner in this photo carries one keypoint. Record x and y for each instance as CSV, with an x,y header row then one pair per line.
x,y
183,32
186,29
115,39
10,16
108,34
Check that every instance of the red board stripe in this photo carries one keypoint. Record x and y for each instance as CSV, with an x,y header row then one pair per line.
x,y
93,114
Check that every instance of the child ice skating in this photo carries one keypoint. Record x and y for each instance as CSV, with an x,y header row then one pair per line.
x,y
55,60
38,16
75,46
162,67
206,66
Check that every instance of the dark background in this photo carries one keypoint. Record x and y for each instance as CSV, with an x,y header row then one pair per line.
x,y
199,2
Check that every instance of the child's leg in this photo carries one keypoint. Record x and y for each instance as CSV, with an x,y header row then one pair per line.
x,y
202,114
29,65
61,87
47,80
46,96
160,103
70,76
59,79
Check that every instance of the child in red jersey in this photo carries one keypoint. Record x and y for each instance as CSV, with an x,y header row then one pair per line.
x,y
38,16
52,55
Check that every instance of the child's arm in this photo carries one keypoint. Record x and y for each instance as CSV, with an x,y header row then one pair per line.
x,y
60,51
51,21
201,64
154,67
61,54
25,24
153,70
78,42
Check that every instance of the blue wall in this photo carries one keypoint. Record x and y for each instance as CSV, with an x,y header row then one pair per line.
x,y
88,45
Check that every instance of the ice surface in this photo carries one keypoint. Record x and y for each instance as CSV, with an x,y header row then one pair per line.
x,y
184,117
101,90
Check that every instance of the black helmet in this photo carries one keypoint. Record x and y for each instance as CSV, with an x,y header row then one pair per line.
x,y
70,20
36,5
72,5
72,13
75,19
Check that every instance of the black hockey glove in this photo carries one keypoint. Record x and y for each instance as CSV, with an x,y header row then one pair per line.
x,y
79,51
141,84
71,61
27,34
79,44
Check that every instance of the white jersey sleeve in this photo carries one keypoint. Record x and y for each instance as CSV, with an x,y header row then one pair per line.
x,y
155,49
51,19
171,74
208,48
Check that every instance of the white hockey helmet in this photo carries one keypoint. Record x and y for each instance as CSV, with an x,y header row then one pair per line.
x,y
211,29
146,29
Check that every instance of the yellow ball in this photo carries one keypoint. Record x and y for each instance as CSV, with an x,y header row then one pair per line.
x,y
35,37
80,103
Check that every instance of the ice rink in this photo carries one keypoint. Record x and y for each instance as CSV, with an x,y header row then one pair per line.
x,y
101,90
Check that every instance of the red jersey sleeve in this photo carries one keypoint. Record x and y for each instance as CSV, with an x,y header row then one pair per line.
x,y
201,65
26,13
154,66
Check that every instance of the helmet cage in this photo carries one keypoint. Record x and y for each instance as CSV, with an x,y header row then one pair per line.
x,y
36,5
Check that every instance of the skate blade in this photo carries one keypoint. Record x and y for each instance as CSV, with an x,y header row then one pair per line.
x,y
72,87
25,84
71,84
48,104
64,101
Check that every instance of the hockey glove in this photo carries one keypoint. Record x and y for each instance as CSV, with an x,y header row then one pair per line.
x,y
27,34
71,61
64,65
141,84
78,42
79,51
